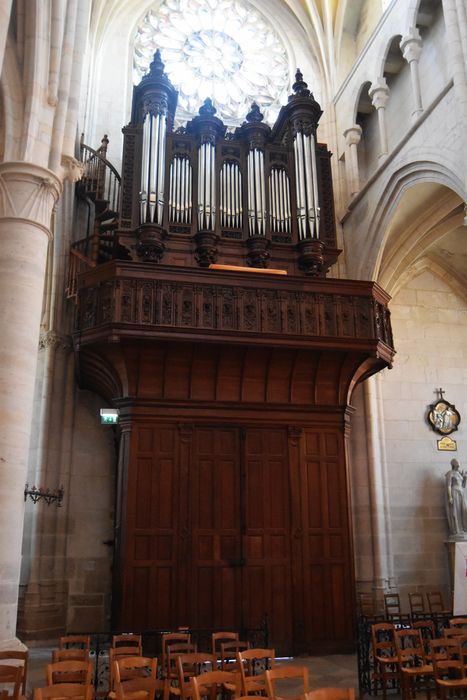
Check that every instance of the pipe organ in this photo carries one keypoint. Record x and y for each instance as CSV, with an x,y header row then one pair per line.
x,y
199,194
230,384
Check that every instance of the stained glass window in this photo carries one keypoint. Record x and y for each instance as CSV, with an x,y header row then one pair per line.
x,y
223,49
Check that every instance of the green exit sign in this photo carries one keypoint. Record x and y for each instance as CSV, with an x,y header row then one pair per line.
x,y
109,416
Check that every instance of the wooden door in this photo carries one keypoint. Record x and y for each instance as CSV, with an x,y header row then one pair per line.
x,y
214,496
240,529
223,525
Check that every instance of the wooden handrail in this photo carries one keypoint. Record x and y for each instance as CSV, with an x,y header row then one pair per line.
x,y
100,178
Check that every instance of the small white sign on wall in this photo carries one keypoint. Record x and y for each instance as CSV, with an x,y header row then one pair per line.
x,y
460,579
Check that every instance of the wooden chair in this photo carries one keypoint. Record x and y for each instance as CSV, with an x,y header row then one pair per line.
x,y
385,655
194,664
217,638
210,683
453,632
70,655
415,671
460,622
417,605
167,640
141,689
173,651
253,663
436,603
428,633
229,651
445,648
12,677
129,640
286,674
392,608
450,676
366,605
331,694
64,690
120,652
128,667
77,641
69,672
22,658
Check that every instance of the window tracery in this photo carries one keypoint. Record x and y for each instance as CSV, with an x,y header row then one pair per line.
x,y
222,49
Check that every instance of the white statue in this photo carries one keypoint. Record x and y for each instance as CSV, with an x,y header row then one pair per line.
x,y
456,507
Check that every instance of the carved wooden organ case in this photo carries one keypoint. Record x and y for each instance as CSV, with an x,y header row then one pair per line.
x,y
258,196
233,386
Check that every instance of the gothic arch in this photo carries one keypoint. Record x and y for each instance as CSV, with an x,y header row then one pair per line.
x,y
436,170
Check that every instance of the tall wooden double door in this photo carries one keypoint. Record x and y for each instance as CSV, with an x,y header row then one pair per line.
x,y
223,525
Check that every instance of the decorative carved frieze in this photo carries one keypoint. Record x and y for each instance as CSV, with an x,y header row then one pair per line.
x,y
194,306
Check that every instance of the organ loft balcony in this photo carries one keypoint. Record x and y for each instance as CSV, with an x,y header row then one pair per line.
x,y
220,237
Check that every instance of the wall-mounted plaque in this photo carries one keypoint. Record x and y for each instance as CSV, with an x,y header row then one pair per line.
x,y
447,444
443,416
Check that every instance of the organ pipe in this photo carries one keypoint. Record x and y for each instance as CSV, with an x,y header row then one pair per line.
x,y
153,168
180,204
230,195
279,197
307,186
206,187
256,193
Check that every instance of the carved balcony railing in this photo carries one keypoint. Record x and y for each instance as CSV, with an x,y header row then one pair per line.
x,y
126,299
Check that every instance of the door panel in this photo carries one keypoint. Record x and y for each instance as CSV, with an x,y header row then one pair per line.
x,y
214,498
267,571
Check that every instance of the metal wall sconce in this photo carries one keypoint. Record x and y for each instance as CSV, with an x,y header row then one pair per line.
x,y
35,494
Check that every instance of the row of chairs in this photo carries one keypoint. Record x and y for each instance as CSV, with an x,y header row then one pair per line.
x,y
413,656
434,606
247,672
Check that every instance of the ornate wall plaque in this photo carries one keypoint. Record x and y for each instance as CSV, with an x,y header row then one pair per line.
x,y
443,416
447,444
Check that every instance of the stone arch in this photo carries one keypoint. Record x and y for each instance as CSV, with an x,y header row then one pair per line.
x,y
390,62
412,172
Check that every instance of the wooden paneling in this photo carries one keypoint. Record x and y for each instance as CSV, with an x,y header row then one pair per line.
x,y
226,525
267,571
151,530
327,553
214,496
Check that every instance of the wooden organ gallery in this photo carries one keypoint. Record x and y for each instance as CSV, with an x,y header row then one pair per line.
x,y
233,387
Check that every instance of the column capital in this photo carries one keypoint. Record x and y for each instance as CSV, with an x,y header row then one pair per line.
x,y
353,135
411,45
379,93
51,339
28,192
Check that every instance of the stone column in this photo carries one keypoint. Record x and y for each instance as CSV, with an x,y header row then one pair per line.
x,y
379,95
352,139
378,485
28,194
5,12
455,17
411,47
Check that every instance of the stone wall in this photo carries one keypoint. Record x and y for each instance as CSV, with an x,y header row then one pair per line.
x,y
430,335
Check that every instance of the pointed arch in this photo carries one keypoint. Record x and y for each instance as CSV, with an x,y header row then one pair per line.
x,y
436,170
